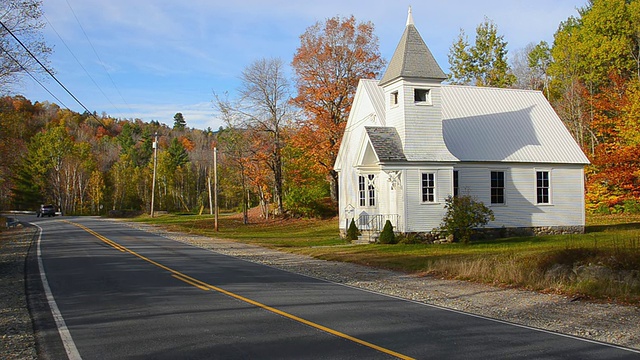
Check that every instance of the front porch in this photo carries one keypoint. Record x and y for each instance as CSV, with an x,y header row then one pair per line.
x,y
370,226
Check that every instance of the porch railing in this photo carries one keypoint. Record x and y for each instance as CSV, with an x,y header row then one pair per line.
x,y
376,222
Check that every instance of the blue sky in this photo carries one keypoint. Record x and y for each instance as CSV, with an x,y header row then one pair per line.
x,y
150,59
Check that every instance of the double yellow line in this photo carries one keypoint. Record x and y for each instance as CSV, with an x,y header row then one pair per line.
x,y
206,287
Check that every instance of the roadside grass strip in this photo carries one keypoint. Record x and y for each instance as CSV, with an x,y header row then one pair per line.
x,y
206,287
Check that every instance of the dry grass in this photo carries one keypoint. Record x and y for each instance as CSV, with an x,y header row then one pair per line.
x,y
602,264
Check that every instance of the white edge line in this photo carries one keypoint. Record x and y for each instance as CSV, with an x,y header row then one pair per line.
x,y
67,341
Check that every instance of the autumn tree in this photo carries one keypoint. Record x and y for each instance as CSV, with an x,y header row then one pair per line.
x,y
124,176
594,88
96,191
23,20
332,57
263,110
530,66
47,153
566,86
609,40
484,63
236,156
305,186
18,123
539,60
200,148
589,51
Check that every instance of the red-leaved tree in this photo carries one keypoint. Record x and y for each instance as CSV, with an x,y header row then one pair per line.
x,y
333,56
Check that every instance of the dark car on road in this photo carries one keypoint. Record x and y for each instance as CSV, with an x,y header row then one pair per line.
x,y
46,210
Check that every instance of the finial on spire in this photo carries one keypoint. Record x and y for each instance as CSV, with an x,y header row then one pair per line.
x,y
410,17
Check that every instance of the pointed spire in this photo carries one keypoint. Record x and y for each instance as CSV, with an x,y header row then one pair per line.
x,y
412,58
410,17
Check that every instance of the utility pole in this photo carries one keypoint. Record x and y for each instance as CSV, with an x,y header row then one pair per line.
x,y
155,162
215,187
209,188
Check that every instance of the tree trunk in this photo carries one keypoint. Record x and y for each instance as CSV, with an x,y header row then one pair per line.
x,y
333,182
246,208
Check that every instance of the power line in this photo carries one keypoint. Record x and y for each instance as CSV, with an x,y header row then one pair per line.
x,y
33,77
79,63
98,57
51,74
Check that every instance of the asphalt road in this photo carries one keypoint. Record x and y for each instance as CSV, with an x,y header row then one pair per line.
x,y
120,293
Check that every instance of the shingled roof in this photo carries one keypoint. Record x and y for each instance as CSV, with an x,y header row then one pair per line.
x,y
412,58
386,143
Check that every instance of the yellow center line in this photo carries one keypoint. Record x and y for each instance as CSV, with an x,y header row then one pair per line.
x,y
190,282
204,286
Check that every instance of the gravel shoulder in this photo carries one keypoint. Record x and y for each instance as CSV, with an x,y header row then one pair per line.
x,y
16,329
609,323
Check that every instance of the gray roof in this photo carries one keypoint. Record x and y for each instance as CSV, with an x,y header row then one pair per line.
x,y
386,143
481,124
412,59
507,125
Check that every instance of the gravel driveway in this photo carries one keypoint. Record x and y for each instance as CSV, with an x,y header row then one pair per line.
x,y
610,323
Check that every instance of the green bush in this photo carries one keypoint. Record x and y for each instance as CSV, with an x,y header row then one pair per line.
x,y
602,209
353,232
408,239
631,206
387,236
464,215
305,201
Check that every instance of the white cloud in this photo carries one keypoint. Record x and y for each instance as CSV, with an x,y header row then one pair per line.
x,y
174,53
197,115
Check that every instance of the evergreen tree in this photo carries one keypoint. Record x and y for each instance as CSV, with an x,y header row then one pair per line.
x,y
353,232
387,236
179,123
27,193
125,139
484,63
177,153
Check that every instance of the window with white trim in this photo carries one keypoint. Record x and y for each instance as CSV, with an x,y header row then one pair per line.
x,y
394,98
497,187
422,96
367,190
428,187
542,187
456,185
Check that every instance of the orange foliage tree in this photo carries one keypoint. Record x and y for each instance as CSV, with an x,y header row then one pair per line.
x,y
333,56
595,89
615,176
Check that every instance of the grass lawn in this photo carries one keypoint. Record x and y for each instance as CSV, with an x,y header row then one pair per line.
x,y
602,264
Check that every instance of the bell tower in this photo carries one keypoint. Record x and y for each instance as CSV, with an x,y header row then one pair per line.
x,y
413,102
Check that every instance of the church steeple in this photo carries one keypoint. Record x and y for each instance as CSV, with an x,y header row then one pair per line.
x,y
412,88
412,58
410,17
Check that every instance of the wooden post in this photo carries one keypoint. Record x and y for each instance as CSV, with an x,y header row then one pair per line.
x,y
209,187
215,187
155,162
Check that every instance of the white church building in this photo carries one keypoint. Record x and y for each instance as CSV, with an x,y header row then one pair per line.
x,y
411,141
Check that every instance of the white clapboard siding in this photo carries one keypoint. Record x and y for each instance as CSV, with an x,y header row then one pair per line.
x,y
421,216
520,208
366,112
